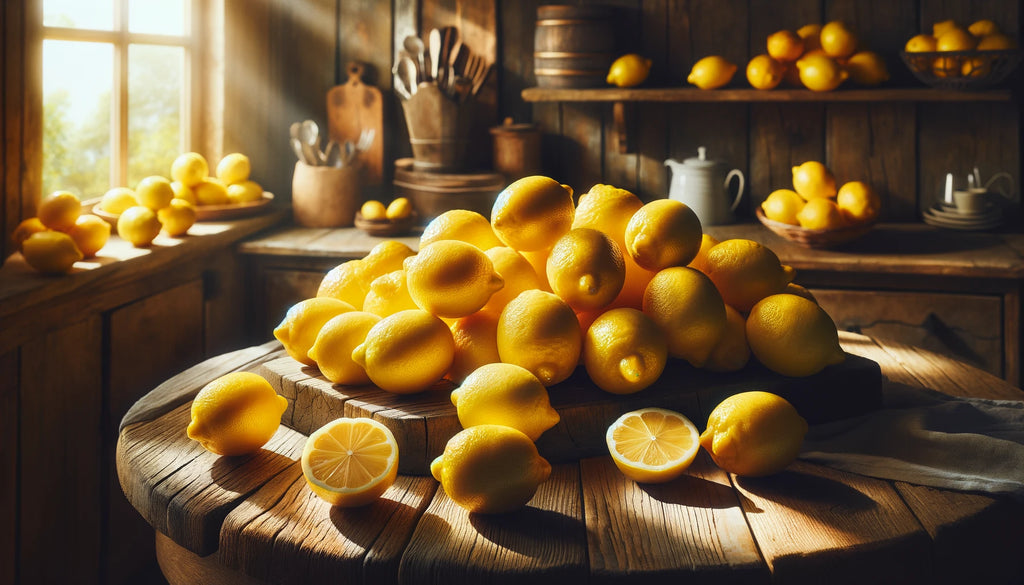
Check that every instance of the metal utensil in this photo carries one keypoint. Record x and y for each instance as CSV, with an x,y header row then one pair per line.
x,y
332,154
434,41
309,134
947,194
416,48
406,71
300,152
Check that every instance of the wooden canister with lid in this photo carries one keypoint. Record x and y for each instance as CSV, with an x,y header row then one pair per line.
x,y
516,149
573,46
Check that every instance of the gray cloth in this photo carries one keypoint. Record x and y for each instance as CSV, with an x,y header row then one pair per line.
x,y
928,438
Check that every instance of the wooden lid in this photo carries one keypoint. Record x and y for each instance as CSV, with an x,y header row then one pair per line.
x,y
405,172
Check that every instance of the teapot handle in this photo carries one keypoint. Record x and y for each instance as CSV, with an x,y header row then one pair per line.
x,y
997,176
739,192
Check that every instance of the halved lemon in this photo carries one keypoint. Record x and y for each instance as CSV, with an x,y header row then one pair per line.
x,y
652,445
350,461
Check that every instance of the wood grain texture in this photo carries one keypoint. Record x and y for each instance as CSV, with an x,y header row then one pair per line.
x,y
9,414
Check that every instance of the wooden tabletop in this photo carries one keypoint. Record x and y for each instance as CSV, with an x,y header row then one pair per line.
x,y
253,519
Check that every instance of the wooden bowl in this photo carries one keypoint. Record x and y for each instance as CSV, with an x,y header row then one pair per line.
x,y
384,228
815,238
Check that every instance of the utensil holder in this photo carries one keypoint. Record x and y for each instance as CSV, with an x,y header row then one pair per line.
x,y
326,196
438,129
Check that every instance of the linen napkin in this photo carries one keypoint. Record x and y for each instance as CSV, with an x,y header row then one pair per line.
x,y
928,438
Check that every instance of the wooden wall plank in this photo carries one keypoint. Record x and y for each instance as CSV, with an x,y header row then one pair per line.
x,y
9,427
650,129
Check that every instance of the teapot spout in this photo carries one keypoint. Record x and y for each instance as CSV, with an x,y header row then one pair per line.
x,y
673,164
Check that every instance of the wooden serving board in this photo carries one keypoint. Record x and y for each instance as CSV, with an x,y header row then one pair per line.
x,y
351,108
423,423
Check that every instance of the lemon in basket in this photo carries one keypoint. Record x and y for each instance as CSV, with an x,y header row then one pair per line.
x,y
782,205
858,202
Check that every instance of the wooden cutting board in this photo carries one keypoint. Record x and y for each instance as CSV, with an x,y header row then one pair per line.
x,y
351,108
422,423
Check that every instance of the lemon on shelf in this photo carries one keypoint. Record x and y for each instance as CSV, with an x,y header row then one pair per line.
x,y
711,72
629,70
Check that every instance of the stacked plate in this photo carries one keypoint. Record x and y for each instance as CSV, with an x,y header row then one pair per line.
x,y
946,215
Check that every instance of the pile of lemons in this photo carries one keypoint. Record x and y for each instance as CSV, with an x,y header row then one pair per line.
x,y
815,202
950,36
59,234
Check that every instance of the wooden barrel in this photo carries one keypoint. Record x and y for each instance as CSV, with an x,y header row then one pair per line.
x,y
433,193
573,45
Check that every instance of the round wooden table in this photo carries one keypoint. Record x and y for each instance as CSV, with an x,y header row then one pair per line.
x,y
253,520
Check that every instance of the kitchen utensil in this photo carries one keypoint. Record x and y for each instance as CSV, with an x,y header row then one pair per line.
x,y
434,45
309,134
947,191
703,185
352,108
332,154
406,72
414,45
300,151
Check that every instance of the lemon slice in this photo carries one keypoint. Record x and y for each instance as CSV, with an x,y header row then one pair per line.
x,y
350,461
652,445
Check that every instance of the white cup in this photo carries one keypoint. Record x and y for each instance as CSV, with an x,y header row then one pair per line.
x,y
971,201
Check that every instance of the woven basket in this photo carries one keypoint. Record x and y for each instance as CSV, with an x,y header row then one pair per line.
x,y
816,238
984,69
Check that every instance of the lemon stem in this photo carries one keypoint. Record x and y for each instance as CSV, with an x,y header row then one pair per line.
x,y
631,367
588,284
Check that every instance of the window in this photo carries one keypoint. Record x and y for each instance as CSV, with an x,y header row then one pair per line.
x,y
116,91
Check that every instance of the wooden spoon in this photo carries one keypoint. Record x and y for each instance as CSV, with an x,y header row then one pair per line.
x,y
435,51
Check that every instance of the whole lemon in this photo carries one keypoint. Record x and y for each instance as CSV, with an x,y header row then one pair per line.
x,y
399,208
138,225
753,434
451,279
624,351
189,168
782,205
210,191
517,273
765,72
983,27
177,217
347,282
813,180
50,252
585,268
711,72
663,233
540,332
707,241
955,39
793,336
302,323
629,70
785,45
26,228
332,349
821,214
532,213
811,36
476,343
820,72
922,43
732,351
858,202
460,224
406,352
118,199
745,271
90,234
236,414
388,294
154,192
373,210
385,257
690,311
182,191
943,26
59,210
233,168
490,469
837,40
867,68
244,192
505,394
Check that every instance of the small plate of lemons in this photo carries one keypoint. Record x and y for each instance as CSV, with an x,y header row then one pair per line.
x,y
394,219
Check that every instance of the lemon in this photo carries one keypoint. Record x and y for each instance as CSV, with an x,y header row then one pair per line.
x,y
820,72
451,279
118,199
732,351
652,445
154,192
373,210
59,210
460,224
236,414
388,294
505,394
347,282
922,43
784,45
302,322
332,348
138,225
996,42
858,202
624,351
956,39
586,269
745,271
813,180
540,332
189,169
532,213
663,233
406,352
753,434
211,191
26,228
821,214
538,259
50,252
782,205
490,469
690,311
793,336
764,72
181,191
837,40
943,26
244,192
350,462
867,68
177,217
811,36
517,273
629,70
385,257
707,241
800,291
233,168
711,72
400,208
983,27
476,343
90,234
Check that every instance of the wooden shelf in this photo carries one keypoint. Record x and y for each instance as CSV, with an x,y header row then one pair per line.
x,y
689,94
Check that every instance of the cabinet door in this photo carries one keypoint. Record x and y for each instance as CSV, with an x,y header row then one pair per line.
x,y
965,327
282,289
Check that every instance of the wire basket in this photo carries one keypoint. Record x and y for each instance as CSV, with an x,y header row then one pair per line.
x,y
962,69
809,238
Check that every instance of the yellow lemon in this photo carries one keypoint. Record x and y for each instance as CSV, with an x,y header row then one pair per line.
x,y
811,36
244,192
813,180
302,322
540,332
707,241
837,40
800,291
211,191
690,311
955,39
586,269
517,273
784,45
732,351
233,168
532,213
118,199
922,43
350,462
373,210
983,27
867,68
711,72
154,192
652,445
505,394
90,234
538,259
943,26
820,72
821,214
753,434
663,233
181,191
388,294
460,224
177,217
26,228
50,252
347,282
59,210
385,257
334,343
996,42
745,271
764,72
189,168
793,336
476,343
624,351
782,205
236,414
858,202
138,225
490,469
628,70
406,352
400,208
451,279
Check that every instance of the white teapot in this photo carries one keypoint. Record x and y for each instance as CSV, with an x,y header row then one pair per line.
x,y
703,185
